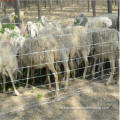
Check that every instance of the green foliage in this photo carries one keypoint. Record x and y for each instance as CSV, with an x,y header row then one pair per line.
x,y
5,26
76,21
15,16
33,88
39,20
12,26
2,30
40,96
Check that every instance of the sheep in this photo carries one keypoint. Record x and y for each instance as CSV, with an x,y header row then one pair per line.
x,y
8,62
13,36
78,42
39,54
12,19
37,29
82,20
32,29
44,20
51,26
107,51
99,22
113,18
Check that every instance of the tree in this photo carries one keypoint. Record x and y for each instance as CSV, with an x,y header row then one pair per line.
x,y
109,5
88,5
61,4
17,12
45,3
118,15
39,15
94,7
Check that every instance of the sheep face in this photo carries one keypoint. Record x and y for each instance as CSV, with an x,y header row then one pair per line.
x,y
12,17
44,20
29,24
107,22
32,29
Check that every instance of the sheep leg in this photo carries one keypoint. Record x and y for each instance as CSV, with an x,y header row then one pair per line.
x,y
4,81
51,67
93,70
48,78
67,73
102,69
112,65
86,65
33,81
28,71
72,68
60,77
12,80
59,70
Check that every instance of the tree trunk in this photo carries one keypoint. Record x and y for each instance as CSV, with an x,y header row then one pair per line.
x,y
118,15
17,12
50,4
115,2
94,7
109,4
88,5
4,8
39,15
45,3
61,4
57,2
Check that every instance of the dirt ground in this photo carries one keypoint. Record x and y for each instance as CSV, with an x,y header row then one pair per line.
x,y
84,100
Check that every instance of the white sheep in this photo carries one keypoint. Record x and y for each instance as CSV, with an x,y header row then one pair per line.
x,y
8,62
114,18
11,16
51,26
44,20
32,29
99,22
79,42
110,49
40,55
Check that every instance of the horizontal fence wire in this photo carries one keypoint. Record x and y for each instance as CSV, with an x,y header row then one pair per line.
x,y
77,59
62,97
63,72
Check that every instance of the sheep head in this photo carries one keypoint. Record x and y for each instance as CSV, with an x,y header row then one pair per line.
x,y
81,19
44,20
107,22
32,29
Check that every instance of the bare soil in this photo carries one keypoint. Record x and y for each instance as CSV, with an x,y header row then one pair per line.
x,y
84,100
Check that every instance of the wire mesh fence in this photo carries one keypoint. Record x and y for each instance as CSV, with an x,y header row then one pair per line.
x,y
54,63
105,51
